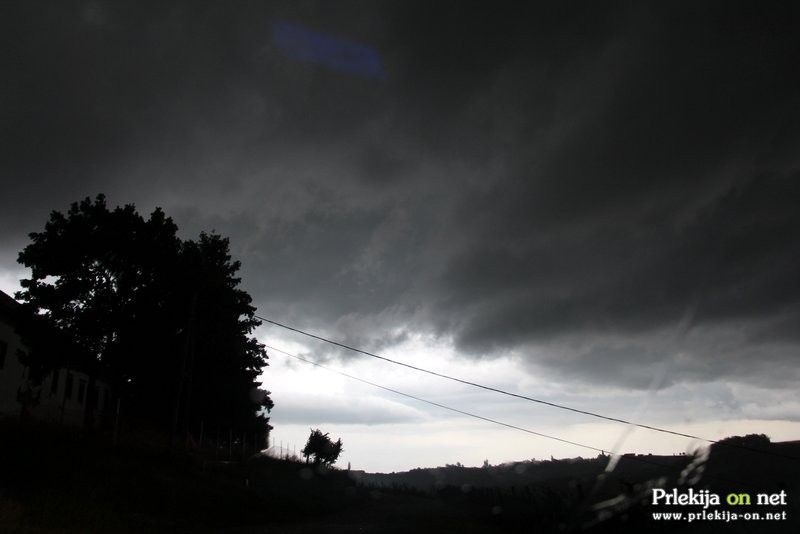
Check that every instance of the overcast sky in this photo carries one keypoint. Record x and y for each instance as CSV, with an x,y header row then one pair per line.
x,y
591,203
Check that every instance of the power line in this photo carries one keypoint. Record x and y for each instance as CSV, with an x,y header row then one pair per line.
x,y
487,388
504,392
473,415
432,403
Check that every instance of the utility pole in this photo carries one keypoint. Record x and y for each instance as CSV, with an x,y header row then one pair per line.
x,y
185,365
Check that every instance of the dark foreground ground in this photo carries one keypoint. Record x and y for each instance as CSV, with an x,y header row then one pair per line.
x,y
57,483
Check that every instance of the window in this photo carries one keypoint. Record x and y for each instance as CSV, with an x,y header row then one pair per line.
x,y
68,387
81,390
3,352
54,383
94,396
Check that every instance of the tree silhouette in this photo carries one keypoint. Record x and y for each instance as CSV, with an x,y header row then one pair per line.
x,y
750,441
221,362
160,317
321,447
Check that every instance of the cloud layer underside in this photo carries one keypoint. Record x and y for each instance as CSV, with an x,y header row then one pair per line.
x,y
572,186
319,410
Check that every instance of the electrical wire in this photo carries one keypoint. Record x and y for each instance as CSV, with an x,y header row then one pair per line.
x,y
482,386
432,403
510,394
476,416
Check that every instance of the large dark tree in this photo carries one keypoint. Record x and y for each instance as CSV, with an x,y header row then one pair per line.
x,y
221,361
162,318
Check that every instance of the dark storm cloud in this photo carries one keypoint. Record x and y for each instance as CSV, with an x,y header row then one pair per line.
x,y
565,182
734,257
92,87
668,190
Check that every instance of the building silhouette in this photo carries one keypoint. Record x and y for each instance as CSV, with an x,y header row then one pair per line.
x,y
59,398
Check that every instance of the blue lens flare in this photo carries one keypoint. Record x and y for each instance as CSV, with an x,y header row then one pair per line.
x,y
333,52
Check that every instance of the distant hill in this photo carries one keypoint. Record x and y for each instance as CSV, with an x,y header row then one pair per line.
x,y
55,481
571,479
592,494
772,462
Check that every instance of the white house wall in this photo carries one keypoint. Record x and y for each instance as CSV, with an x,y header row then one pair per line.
x,y
12,373
58,403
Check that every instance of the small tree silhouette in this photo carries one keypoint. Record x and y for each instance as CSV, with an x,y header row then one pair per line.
x,y
321,447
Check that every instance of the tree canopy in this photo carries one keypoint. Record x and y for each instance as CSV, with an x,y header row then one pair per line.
x,y
322,448
750,441
160,317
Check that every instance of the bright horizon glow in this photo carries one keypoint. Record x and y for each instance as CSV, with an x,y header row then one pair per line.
x,y
438,444
384,432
